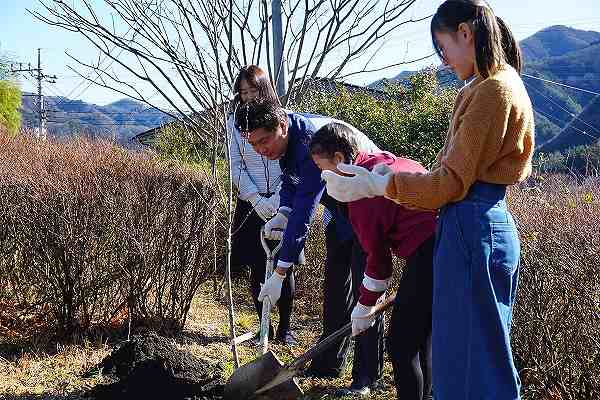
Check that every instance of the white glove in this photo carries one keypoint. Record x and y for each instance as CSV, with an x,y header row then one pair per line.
x,y
301,258
362,318
271,288
275,227
262,206
274,200
363,184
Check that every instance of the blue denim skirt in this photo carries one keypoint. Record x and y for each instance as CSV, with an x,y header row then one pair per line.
x,y
475,275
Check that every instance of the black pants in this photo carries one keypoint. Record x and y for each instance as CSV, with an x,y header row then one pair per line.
x,y
409,339
247,250
344,269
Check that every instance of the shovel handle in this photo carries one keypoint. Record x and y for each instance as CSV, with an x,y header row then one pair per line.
x,y
344,331
270,253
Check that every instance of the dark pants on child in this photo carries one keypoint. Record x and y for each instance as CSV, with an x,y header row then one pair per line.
x,y
247,250
344,269
409,339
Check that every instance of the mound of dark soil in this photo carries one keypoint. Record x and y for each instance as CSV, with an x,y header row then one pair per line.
x,y
151,367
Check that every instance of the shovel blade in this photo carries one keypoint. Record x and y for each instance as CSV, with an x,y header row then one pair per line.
x,y
250,377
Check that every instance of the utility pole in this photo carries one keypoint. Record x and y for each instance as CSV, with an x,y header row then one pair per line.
x,y
40,77
280,64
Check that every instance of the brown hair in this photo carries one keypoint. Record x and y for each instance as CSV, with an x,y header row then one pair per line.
x,y
257,78
494,42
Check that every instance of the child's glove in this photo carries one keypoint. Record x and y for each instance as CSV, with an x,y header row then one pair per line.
x,y
362,318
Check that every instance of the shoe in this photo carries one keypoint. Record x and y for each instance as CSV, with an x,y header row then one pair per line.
x,y
354,391
287,338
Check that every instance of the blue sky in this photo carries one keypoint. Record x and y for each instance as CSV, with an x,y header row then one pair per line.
x,y
22,34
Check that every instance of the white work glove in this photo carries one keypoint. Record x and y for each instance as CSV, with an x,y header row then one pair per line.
x,y
262,206
274,200
275,227
362,318
301,258
363,184
271,288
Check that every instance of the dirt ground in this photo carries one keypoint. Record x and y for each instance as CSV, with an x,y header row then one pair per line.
x,y
35,372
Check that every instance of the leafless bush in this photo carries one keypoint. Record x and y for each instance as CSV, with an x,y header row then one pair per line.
x,y
310,277
98,233
556,326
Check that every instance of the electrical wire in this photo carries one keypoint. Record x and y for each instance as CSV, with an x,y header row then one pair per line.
x,y
561,84
575,116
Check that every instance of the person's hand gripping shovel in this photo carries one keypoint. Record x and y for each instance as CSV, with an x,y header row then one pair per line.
x,y
266,378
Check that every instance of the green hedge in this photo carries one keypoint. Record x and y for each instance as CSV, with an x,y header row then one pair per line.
x,y
10,102
411,121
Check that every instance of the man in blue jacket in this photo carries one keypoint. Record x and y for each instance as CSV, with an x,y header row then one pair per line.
x,y
285,136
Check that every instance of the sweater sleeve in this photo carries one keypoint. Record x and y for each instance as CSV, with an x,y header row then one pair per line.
x,y
486,116
372,230
239,173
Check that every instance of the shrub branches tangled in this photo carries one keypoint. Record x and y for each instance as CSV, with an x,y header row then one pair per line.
x,y
556,327
96,233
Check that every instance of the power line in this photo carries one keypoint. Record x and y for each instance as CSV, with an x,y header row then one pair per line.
x,y
94,123
107,112
54,91
87,78
562,84
562,108
549,116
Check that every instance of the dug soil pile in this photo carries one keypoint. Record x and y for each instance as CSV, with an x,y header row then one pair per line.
x,y
151,367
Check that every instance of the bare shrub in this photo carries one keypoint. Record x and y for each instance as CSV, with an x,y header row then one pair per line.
x,y
310,277
98,233
556,327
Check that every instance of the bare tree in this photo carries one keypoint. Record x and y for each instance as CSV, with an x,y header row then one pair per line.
x,y
186,53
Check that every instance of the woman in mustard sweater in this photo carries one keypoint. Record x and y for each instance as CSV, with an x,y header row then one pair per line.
x,y
476,261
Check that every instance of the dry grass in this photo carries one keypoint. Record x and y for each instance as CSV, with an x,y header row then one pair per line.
x,y
41,374
557,316
51,376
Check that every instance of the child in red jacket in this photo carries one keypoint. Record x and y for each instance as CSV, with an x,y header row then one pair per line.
x,y
382,228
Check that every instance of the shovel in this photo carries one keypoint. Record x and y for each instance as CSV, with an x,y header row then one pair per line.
x,y
266,377
266,303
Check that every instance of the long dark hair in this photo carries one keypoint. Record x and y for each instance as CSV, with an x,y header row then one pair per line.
x,y
494,42
257,78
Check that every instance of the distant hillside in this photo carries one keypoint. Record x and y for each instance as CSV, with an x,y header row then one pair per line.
x,y
558,53
120,120
556,41
579,68
445,77
583,130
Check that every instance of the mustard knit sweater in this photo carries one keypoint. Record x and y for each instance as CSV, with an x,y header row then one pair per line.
x,y
491,139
